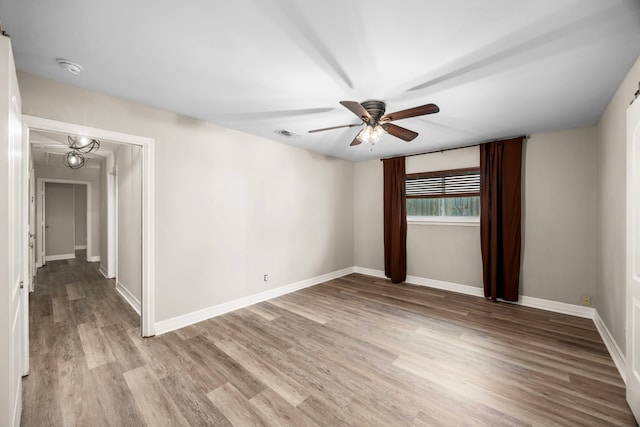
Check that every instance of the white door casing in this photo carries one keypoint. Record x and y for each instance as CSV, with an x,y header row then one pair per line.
x,y
633,259
148,201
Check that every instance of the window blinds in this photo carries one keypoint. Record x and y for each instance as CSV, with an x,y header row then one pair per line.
x,y
452,183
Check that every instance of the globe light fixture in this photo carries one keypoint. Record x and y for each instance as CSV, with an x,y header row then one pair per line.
x,y
73,160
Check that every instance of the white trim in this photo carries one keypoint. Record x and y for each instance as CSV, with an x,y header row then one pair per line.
x,y
184,320
369,272
617,355
102,270
556,307
148,201
59,257
80,247
465,221
93,258
446,286
542,304
128,297
38,265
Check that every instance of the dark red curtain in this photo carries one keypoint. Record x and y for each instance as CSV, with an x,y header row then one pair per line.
x,y
500,217
395,220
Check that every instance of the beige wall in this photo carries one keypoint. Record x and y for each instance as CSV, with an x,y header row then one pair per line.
x,y
80,204
129,190
611,208
230,207
558,222
449,253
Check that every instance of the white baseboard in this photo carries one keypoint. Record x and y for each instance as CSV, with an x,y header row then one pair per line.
x,y
543,304
93,258
557,307
80,247
59,257
617,355
184,320
446,286
103,270
369,272
128,297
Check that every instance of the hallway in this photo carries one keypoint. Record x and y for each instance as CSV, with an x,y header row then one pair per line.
x,y
81,339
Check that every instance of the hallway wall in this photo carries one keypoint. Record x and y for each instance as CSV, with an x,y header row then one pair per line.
x,y
80,203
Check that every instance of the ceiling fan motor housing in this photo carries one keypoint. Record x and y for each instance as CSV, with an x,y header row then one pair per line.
x,y
375,108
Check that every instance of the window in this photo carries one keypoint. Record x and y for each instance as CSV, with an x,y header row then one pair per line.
x,y
450,195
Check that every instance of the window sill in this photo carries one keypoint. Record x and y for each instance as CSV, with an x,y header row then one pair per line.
x,y
451,220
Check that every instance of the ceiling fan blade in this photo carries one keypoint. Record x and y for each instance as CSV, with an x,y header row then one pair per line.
x,y
355,141
411,112
399,132
335,127
358,110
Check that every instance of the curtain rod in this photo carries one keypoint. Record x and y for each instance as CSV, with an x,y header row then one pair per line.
x,y
457,148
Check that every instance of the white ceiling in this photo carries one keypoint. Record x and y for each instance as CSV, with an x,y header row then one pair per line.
x,y
496,68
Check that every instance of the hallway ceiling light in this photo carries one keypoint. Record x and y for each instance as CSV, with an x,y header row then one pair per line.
x,y
83,144
74,160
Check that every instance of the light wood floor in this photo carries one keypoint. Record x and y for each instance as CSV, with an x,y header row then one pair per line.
x,y
353,351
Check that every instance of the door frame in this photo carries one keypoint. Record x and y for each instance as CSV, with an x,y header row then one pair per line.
x,y
42,209
147,145
632,256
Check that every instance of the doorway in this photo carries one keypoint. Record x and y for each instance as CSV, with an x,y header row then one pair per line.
x,y
63,219
146,150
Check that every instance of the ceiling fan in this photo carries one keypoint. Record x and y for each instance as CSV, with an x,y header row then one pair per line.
x,y
377,122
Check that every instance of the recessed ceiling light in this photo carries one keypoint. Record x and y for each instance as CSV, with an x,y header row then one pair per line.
x,y
70,66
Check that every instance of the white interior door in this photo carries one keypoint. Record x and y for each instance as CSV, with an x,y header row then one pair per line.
x,y
14,247
633,258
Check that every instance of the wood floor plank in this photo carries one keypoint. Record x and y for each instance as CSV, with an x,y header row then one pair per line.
x,y
279,381
76,390
115,398
352,351
154,403
276,410
96,350
236,407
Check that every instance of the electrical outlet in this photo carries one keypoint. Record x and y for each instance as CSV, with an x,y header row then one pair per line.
x,y
266,277
586,300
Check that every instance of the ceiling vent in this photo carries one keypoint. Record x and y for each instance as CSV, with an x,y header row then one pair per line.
x,y
286,133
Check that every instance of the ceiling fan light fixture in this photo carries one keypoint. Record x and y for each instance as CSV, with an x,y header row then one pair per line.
x,y
73,160
371,134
